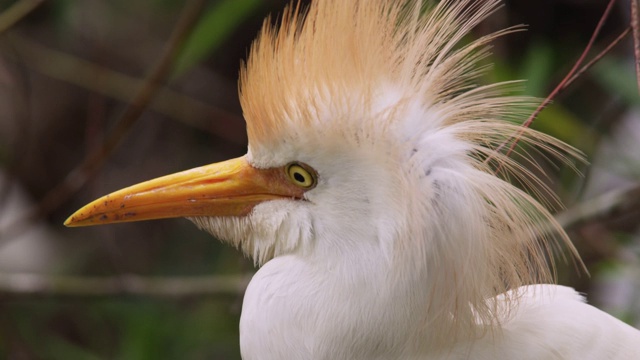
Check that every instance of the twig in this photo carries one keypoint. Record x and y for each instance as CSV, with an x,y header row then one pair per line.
x,y
78,177
611,202
561,86
635,20
105,81
160,71
27,284
17,12
597,58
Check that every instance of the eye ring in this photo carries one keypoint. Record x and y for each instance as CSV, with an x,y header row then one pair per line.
x,y
301,175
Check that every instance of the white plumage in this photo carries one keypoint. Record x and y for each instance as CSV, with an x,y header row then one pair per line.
x,y
368,197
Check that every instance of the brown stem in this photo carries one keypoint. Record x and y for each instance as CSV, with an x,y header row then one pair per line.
x,y
597,58
79,176
635,20
17,12
27,284
561,86
178,106
611,203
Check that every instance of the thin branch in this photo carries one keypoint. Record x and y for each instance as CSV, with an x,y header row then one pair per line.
x,y
635,20
105,81
27,284
597,58
612,202
561,86
18,11
159,72
78,177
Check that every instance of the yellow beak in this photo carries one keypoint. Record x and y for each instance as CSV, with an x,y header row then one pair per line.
x,y
229,188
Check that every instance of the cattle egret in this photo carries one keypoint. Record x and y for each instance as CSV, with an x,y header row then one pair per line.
x,y
371,199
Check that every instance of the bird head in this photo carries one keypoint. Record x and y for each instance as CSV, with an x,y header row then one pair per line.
x,y
367,136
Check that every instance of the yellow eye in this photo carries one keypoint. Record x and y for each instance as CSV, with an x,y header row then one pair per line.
x,y
301,175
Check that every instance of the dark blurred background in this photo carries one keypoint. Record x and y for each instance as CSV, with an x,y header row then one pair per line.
x,y
68,71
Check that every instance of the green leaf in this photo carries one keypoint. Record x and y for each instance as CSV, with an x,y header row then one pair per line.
x,y
537,69
215,26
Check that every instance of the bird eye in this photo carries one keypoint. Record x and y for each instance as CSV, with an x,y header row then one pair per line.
x,y
301,175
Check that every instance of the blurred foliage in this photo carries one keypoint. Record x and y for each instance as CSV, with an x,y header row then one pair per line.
x,y
214,27
618,79
47,126
122,329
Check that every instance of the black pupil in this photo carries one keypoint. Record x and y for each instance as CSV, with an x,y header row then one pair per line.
x,y
299,177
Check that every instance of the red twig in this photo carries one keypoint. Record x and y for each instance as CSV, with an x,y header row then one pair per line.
x,y
597,58
561,86
636,37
